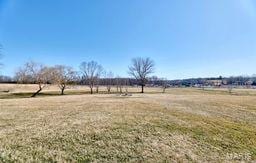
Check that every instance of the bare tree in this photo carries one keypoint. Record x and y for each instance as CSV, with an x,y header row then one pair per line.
x,y
91,72
154,80
126,83
35,73
97,85
98,79
230,88
108,81
119,84
21,76
63,75
164,84
140,69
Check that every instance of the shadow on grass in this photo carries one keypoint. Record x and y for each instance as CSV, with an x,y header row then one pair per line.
x,y
56,93
42,94
8,95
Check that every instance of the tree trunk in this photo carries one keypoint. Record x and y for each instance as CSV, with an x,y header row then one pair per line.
x,y
91,90
62,90
108,88
142,88
37,92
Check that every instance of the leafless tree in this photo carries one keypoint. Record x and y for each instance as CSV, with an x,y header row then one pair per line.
x,y
91,72
63,75
33,72
97,85
108,81
154,80
21,76
164,84
230,88
126,83
140,69
119,84
98,79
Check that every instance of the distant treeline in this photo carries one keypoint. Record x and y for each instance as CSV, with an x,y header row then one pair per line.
x,y
155,81
216,81
7,79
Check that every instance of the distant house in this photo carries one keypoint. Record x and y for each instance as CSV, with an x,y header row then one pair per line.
x,y
249,82
216,83
224,82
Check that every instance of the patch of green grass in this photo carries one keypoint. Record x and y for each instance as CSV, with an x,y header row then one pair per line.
x,y
222,91
225,136
118,143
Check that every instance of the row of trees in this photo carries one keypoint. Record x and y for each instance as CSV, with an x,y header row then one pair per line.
x,y
41,75
91,73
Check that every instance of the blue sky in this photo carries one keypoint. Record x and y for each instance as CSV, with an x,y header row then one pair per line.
x,y
185,38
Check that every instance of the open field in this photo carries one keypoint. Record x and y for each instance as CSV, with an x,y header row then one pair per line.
x,y
182,125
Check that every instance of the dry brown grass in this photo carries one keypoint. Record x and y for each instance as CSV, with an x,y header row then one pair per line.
x,y
183,125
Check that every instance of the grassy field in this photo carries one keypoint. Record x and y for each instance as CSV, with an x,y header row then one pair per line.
x,y
182,125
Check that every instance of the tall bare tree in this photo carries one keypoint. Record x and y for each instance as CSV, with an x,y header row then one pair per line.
x,y
140,70
63,75
91,72
33,72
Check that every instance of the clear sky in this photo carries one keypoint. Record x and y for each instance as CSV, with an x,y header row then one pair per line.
x,y
185,38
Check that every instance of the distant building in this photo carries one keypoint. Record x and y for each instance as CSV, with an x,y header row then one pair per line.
x,y
214,82
249,82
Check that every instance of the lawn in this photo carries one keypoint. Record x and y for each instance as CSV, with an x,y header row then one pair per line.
x,y
182,125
